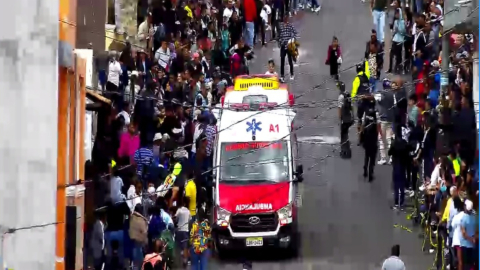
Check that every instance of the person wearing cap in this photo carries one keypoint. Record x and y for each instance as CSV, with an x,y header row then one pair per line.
x,y
360,91
465,236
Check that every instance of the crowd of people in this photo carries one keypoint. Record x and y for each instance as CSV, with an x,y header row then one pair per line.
x,y
153,157
154,160
427,131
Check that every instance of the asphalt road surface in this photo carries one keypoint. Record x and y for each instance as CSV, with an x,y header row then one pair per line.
x,y
345,222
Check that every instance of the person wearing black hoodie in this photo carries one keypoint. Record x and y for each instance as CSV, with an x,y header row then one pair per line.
x,y
369,136
399,152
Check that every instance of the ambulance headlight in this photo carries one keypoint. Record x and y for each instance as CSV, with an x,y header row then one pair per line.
x,y
223,217
285,214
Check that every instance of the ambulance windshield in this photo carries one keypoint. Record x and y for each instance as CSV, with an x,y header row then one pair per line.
x,y
254,161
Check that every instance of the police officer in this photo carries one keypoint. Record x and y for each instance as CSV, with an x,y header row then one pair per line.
x,y
361,91
368,133
345,114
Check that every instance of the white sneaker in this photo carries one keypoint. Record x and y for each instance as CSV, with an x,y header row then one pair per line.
x,y
390,160
382,162
282,79
317,9
292,77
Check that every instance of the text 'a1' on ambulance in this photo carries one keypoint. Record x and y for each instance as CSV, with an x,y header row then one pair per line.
x,y
256,179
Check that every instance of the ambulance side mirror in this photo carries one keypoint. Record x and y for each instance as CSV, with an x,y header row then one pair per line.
x,y
299,173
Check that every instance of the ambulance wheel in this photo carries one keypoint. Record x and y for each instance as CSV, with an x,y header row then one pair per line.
x,y
293,249
220,253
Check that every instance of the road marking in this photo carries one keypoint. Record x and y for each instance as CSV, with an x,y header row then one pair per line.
x,y
319,139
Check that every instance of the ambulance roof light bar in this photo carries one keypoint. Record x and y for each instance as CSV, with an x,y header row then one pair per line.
x,y
247,107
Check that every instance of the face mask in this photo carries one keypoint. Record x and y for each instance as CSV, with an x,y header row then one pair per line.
x,y
156,150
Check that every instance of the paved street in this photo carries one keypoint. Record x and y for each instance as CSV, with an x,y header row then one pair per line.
x,y
345,222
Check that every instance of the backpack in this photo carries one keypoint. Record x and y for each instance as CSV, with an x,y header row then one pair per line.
x,y
159,33
347,114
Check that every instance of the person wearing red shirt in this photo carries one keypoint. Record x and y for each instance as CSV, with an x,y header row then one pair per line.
x,y
250,15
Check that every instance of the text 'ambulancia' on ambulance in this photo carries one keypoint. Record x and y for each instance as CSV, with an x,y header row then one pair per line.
x,y
256,178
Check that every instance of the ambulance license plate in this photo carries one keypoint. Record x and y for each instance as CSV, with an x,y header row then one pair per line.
x,y
254,242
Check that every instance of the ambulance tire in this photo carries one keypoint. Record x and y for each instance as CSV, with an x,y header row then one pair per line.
x,y
293,250
220,253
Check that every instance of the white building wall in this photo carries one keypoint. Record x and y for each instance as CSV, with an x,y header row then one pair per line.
x,y
28,132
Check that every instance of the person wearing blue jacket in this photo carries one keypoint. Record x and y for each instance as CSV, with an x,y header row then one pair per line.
x,y
399,34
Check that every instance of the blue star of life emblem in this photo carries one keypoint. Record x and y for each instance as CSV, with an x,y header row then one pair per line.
x,y
254,126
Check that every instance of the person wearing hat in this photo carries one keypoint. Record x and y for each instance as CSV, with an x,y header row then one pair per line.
x,y
143,67
465,236
361,91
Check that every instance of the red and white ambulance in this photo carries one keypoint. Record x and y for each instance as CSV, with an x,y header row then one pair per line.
x,y
256,177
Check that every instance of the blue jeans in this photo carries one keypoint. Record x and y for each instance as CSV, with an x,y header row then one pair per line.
x,y
102,78
249,33
137,256
199,261
379,24
373,85
419,5
111,236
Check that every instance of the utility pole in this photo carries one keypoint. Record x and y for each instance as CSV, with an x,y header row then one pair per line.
x,y
445,62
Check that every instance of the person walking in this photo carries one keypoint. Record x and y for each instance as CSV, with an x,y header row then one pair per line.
x,y
287,33
378,12
369,141
386,117
334,58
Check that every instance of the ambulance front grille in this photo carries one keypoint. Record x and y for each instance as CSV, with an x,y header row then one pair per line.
x,y
241,223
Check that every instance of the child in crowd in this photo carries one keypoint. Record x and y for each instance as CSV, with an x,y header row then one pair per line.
x,y
271,68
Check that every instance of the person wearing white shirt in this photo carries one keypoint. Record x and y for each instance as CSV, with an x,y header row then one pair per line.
x,y
228,11
271,68
162,55
114,73
134,195
436,178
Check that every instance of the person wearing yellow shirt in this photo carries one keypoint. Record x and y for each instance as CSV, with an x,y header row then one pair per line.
x,y
191,194
458,164
188,8
361,91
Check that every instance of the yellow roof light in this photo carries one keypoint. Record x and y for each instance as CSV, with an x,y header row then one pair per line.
x,y
267,83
